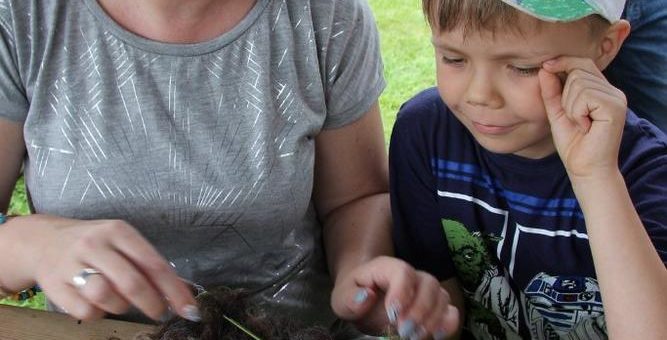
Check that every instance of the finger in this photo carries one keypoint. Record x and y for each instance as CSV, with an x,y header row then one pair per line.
x,y
98,291
422,307
584,107
452,320
68,298
602,95
130,283
574,86
399,285
551,91
581,94
124,276
395,278
579,80
156,269
359,303
593,107
435,323
569,64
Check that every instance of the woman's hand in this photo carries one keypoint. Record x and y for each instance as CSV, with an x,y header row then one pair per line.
x,y
587,115
389,292
131,272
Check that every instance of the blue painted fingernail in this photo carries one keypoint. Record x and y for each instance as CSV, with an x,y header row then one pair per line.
x,y
166,316
392,312
440,335
191,313
406,329
420,333
361,296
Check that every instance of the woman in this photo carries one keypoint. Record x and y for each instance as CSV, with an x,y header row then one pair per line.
x,y
223,142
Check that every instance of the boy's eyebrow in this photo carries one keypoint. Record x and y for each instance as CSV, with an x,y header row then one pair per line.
x,y
499,56
442,45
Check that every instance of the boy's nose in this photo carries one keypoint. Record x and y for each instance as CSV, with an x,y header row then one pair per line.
x,y
482,92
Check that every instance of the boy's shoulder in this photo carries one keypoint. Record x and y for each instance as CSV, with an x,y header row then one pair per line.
x,y
426,118
423,105
641,129
642,141
426,110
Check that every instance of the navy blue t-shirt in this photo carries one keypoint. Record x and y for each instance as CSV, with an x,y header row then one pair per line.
x,y
510,228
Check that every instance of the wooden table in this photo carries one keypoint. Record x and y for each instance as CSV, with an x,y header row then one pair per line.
x,y
29,324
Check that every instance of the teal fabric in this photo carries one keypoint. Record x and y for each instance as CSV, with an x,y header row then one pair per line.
x,y
554,10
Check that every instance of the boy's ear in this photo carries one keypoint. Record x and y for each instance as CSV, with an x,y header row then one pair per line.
x,y
610,43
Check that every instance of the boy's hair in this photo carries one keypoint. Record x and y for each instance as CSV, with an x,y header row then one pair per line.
x,y
486,15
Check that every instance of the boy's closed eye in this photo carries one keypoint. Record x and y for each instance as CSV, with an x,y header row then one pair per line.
x,y
452,60
525,71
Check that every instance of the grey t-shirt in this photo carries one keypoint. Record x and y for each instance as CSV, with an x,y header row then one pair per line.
x,y
207,149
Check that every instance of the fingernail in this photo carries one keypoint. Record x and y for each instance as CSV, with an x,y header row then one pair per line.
x,y
361,296
166,316
191,313
550,62
406,329
439,335
420,333
392,312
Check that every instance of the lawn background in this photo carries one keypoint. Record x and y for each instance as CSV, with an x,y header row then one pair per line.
x,y
408,62
407,52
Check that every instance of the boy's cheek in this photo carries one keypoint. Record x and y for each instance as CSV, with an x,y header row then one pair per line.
x,y
447,96
530,89
450,87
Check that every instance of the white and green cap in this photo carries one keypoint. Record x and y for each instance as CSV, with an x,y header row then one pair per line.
x,y
569,10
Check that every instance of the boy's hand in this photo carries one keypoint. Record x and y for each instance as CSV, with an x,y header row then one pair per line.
x,y
387,292
587,115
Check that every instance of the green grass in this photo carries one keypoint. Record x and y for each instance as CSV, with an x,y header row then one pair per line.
x,y
19,203
409,68
19,206
407,53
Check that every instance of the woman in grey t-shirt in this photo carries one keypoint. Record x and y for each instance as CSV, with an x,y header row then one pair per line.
x,y
222,142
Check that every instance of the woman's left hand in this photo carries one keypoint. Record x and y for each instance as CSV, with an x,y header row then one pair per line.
x,y
388,293
586,113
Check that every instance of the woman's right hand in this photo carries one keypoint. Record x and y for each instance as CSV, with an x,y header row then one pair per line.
x,y
51,251
132,273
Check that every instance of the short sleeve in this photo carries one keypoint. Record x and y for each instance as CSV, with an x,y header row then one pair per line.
x,y
418,234
353,70
644,166
13,102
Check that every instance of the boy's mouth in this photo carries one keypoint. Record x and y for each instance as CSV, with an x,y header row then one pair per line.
x,y
488,129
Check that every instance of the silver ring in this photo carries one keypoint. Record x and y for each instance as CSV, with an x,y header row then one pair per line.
x,y
81,279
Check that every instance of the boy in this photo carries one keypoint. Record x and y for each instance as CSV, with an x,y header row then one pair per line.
x,y
516,183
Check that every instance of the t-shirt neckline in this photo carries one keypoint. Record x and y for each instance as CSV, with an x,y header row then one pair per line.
x,y
526,166
176,49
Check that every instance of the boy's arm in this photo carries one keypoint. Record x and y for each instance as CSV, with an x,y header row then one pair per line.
x,y
587,116
624,257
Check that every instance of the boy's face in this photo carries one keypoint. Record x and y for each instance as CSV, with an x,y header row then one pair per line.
x,y
489,81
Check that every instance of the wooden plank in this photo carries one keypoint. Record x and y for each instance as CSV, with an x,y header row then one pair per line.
x,y
29,324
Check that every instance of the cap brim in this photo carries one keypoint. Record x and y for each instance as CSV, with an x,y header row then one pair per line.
x,y
554,11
